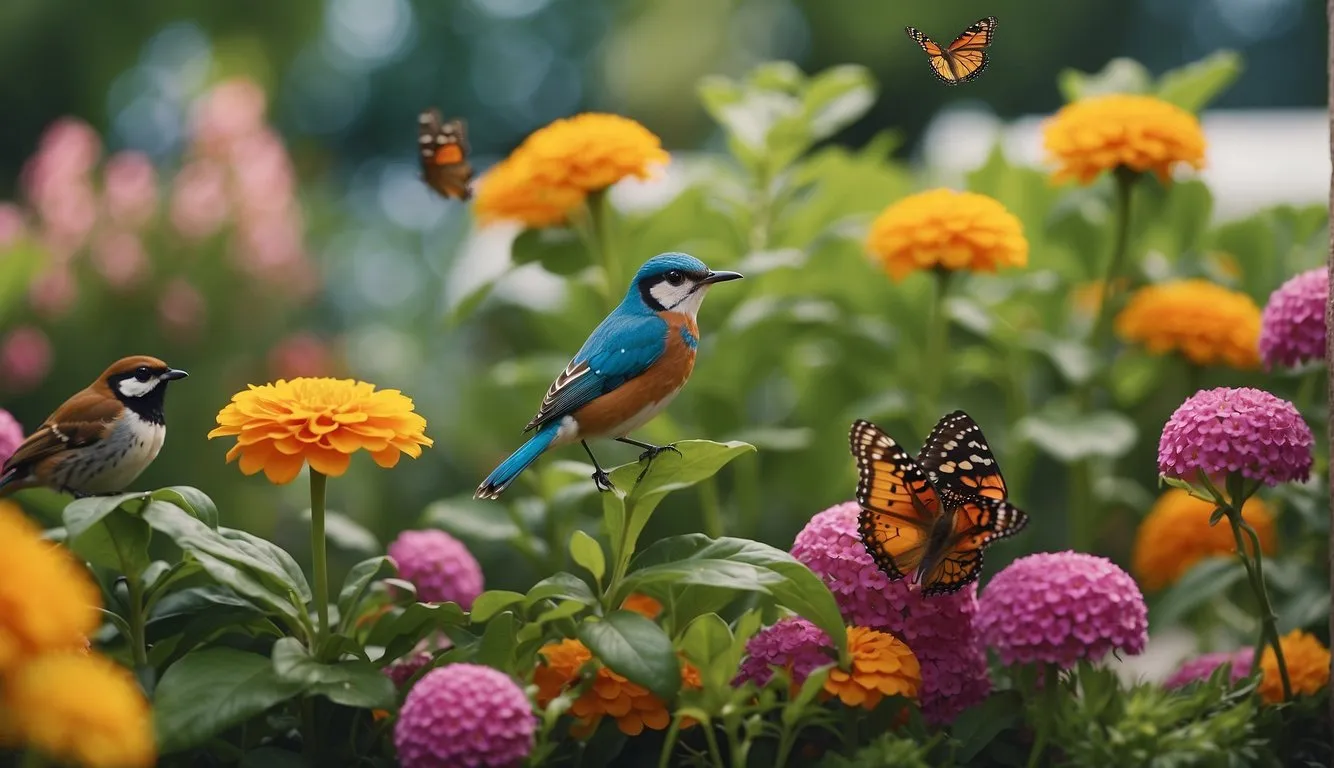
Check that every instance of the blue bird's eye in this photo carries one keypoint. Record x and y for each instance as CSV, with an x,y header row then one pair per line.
x,y
674,277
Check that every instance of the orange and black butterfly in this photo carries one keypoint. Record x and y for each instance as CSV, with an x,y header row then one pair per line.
x,y
965,58
444,154
958,460
909,527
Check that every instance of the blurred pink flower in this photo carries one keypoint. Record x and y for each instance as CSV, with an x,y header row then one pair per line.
x,y
68,149
53,292
232,109
68,216
265,178
199,203
25,358
266,244
181,310
119,258
12,226
300,355
129,183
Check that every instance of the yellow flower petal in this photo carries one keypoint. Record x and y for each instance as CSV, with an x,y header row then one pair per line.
x,y
1145,134
1205,322
947,230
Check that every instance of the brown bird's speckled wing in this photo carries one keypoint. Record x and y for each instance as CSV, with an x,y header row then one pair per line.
x,y
80,421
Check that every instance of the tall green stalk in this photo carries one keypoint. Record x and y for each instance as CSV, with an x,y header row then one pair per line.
x,y
134,584
318,555
1125,185
600,224
937,352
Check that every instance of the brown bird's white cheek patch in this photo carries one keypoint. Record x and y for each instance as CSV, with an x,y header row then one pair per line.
x,y
136,388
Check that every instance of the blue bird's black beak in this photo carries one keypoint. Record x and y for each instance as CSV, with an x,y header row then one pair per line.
x,y
173,373
720,276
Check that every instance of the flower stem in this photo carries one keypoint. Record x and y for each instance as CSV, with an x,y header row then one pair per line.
x,y
1125,184
714,752
937,352
318,557
137,620
1254,562
669,743
599,214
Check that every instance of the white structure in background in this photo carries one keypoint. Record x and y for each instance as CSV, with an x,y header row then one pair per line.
x,y
1255,158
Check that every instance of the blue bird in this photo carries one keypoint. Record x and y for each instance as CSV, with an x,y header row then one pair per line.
x,y
628,370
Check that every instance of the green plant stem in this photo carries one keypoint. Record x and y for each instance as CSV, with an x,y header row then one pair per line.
x,y
1254,563
1052,696
714,752
669,743
137,620
710,509
1125,184
937,352
599,214
787,739
1082,511
318,555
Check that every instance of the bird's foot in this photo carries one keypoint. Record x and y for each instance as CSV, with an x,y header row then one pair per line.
x,y
652,453
603,481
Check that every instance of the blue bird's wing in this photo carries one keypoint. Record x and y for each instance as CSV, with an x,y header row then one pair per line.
x,y
618,350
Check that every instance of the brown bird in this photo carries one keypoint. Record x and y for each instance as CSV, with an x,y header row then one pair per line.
x,y
101,439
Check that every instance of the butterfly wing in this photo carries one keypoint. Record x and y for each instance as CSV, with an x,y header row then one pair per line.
x,y
444,154
977,523
968,53
935,55
959,462
899,506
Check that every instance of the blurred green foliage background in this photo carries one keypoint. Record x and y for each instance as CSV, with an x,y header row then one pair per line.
x,y
815,338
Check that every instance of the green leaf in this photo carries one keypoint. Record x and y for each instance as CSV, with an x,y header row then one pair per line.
x,y
347,534
210,691
724,574
1194,85
1120,75
699,460
706,638
464,307
470,519
491,602
192,500
587,554
350,682
800,589
810,688
277,561
496,648
400,631
561,586
358,578
107,531
837,98
1199,585
1070,437
636,648
976,727
559,251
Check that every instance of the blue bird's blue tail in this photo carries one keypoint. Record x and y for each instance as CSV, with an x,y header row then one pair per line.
x,y
501,477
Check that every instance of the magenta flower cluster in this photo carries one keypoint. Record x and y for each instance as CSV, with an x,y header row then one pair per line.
x,y
793,643
439,566
1060,607
939,630
1292,330
464,716
11,435
1201,667
1224,430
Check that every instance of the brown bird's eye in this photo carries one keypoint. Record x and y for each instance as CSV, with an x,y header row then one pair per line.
x,y
142,374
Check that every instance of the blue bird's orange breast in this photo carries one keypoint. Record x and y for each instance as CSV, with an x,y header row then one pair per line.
x,y
638,400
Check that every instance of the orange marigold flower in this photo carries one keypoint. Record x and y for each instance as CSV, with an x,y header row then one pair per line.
x,y
1103,133
643,605
48,601
1176,535
633,706
1307,662
590,152
944,229
1206,322
281,426
508,193
78,708
882,665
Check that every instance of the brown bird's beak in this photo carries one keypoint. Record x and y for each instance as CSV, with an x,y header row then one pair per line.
x,y
172,374
720,276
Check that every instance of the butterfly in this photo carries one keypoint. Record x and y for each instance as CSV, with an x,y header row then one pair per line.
x,y
958,460
908,526
444,154
965,58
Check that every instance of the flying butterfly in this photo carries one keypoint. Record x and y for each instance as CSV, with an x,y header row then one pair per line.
x,y
965,58
959,462
444,154
910,528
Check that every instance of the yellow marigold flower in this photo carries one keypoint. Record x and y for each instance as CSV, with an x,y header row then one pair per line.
x,y
1176,535
944,229
1308,666
643,605
633,706
589,152
281,426
1207,323
882,665
1103,133
48,602
78,708
508,193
